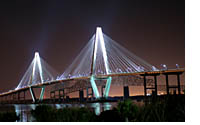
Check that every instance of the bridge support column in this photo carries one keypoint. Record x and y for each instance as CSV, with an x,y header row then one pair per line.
x,y
14,96
167,84
42,93
145,86
1,99
102,90
107,88
6,99
155,83
32,94
21,97
126,92
9,98
94,87
52,94
92,93
24,95
18,96
81,95
87,93
179,86
154,89
61,94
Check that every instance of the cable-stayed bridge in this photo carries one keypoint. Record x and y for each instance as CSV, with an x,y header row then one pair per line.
x,y
101,62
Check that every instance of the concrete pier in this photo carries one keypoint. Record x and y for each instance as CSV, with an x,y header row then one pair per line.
x,y
178,86
102,90
126,92
81,95
154,88
89,94
61,94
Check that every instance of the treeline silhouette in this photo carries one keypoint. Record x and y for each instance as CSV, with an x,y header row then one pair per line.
x,y
168,109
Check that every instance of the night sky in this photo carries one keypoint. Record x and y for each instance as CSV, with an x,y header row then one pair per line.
x,y
59,29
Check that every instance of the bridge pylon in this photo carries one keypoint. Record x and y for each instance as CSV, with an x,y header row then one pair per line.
x,y
99,40
36,64
38,73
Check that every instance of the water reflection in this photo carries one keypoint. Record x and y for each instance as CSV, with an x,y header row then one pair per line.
x,y
107,106
17,110
60,106
24,112
99,107
96,107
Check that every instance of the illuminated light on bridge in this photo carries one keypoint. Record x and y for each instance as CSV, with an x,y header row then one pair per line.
x,y
38,72
99,63
107,56
100,34
103,56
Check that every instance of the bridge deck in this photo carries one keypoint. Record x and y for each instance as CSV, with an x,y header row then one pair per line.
x,y
172,71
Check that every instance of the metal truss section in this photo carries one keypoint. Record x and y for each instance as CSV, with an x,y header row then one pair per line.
x,y
76,85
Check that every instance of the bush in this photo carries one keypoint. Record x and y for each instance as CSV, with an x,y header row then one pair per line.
x,y
170,109
44,113
110,116
8,117
128,110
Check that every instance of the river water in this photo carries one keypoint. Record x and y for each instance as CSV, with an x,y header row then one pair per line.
x,y
24,110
